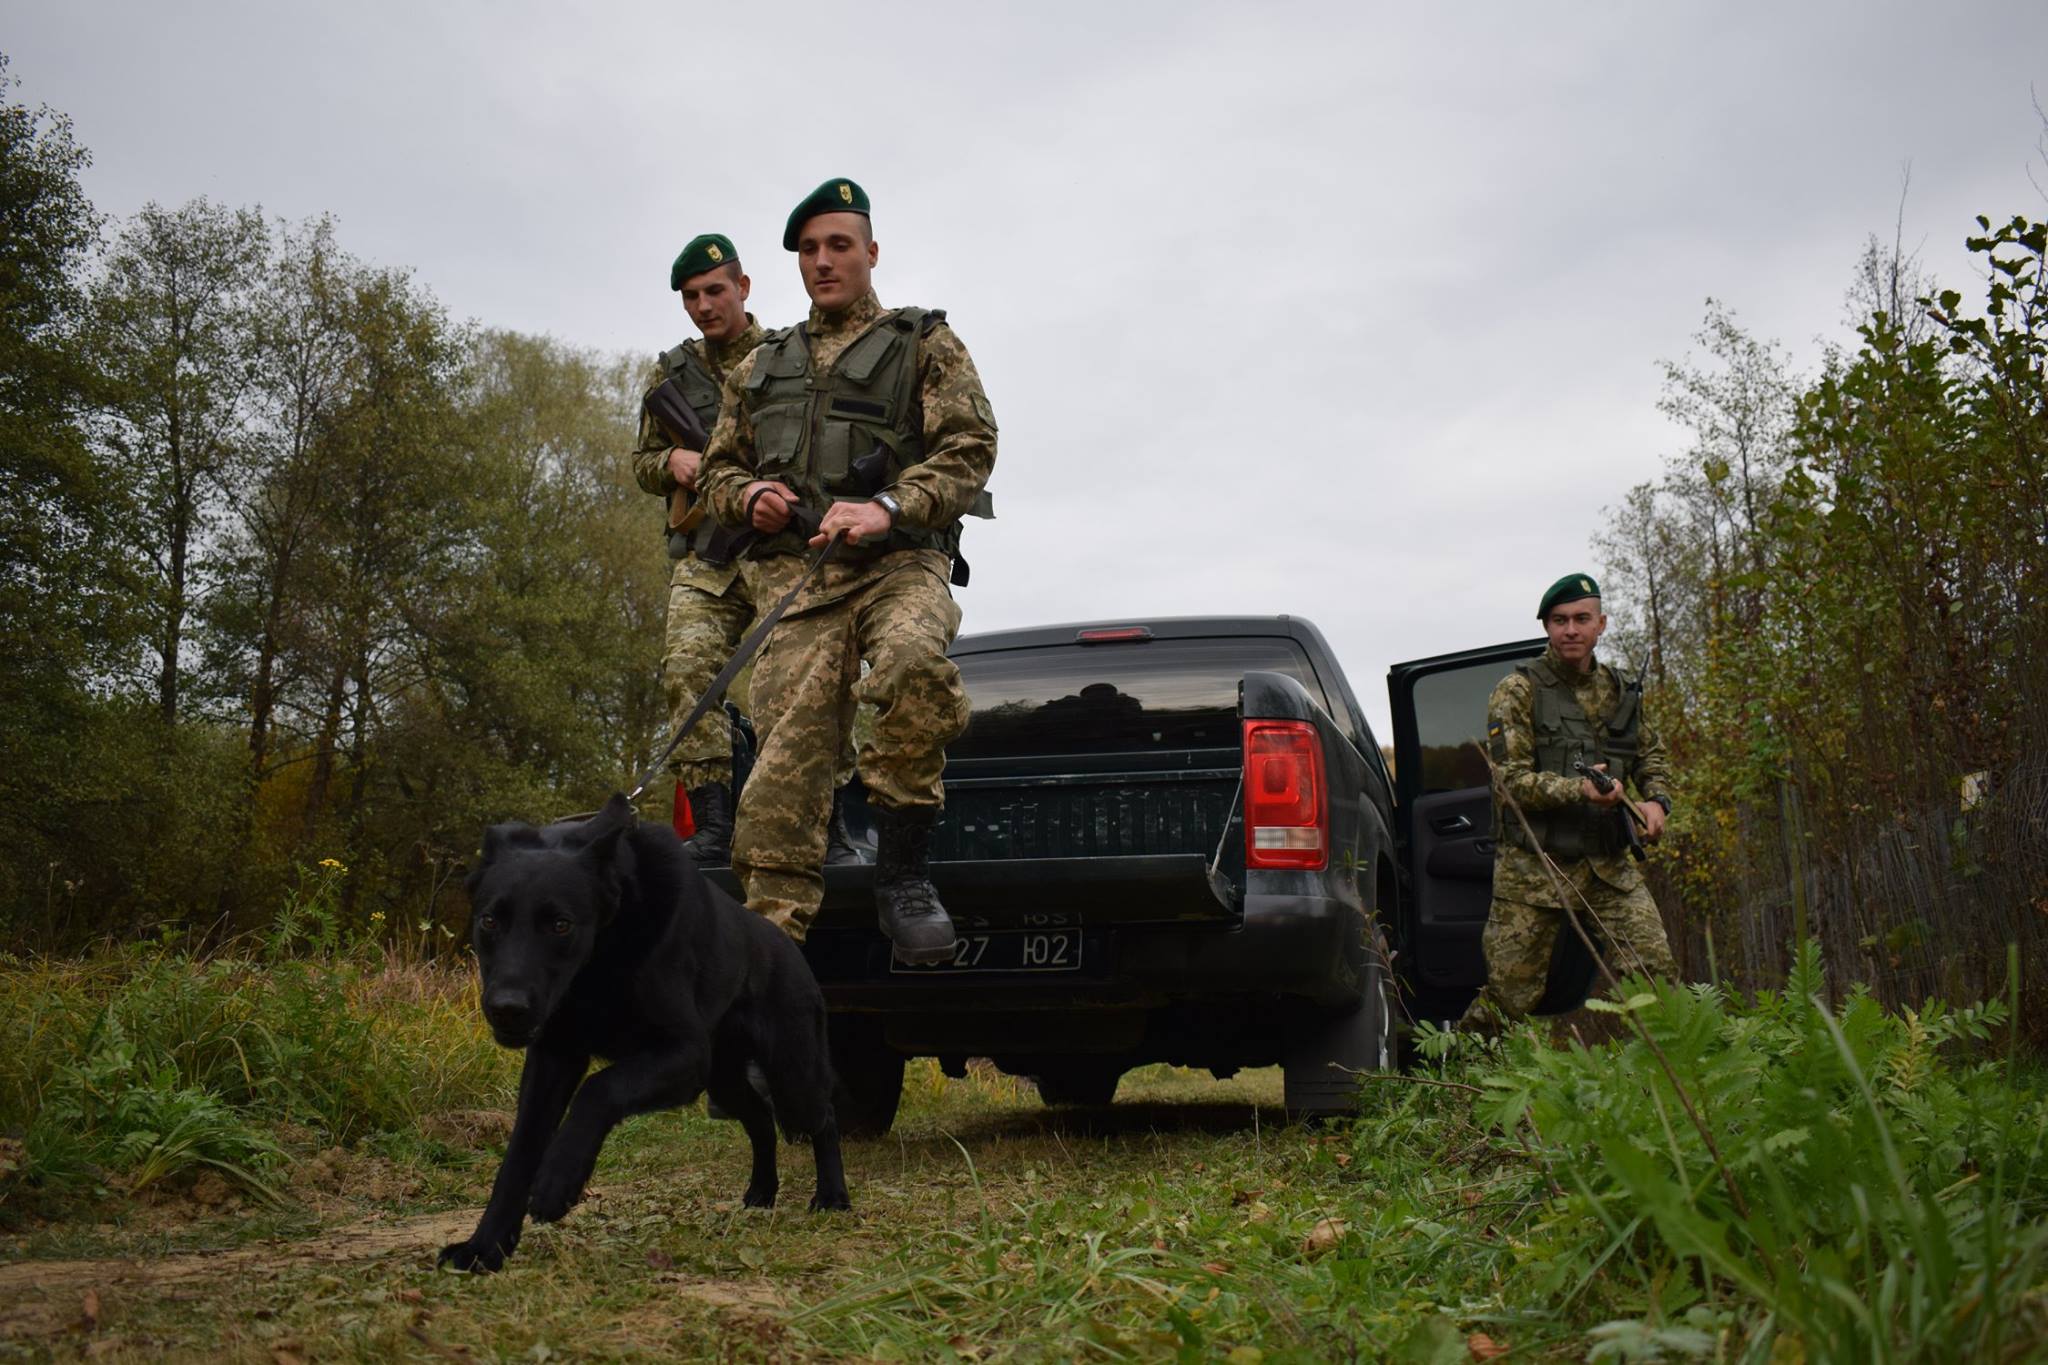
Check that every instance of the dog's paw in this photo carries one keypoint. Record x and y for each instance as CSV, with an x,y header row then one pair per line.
x,y
555,1192
471,1258
831,1201
760,1196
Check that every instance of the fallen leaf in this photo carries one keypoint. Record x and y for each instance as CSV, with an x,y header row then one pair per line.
x,y
1159,1244
661,1260
1342,1159
1484,1347
410,1295
89,1316
1324,1236
1216,1267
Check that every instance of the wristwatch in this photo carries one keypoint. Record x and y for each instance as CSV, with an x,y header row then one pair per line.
x,y
887,502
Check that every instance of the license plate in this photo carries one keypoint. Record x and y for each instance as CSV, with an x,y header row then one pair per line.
x,y
1045,950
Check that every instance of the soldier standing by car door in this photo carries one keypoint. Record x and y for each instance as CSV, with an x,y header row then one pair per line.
x,y
1551,713
875,418
710,604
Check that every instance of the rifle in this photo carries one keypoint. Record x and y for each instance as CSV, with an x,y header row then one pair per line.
x,y
1631,815
679,422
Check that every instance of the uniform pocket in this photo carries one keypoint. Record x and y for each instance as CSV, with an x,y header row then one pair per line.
x,y
778,430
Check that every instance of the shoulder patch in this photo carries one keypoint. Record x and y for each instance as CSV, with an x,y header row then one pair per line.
x,y
980,402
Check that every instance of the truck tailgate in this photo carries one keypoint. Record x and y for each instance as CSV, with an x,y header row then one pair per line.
x,y
1017,893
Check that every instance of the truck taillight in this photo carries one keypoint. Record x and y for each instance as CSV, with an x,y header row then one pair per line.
x,y
1286,818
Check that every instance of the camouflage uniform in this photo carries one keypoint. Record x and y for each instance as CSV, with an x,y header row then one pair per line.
x,y
894,611
709,605
1527,912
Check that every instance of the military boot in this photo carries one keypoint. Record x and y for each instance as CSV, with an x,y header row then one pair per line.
x,y
711,808
839,845
906,903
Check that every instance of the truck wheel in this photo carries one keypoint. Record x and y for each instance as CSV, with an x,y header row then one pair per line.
x,y
1081,1083
1318,1074
868,1079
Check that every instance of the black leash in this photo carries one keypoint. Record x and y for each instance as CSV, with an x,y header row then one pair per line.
x,y
714,692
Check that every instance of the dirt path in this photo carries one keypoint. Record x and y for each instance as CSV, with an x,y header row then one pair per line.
x,y
44,1298
40,1297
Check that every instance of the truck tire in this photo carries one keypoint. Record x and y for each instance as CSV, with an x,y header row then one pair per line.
x,y
868,1079
1318,1074
1080,1083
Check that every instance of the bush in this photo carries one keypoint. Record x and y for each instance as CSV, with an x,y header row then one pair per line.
x,y
109,1110
148,1062
1802,1178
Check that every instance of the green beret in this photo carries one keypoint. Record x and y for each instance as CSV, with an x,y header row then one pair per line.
x,y
834,196
1571,588
703,253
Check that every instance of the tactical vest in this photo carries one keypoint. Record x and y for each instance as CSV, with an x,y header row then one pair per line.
x,y
693,376
849,433
1564,734
702,391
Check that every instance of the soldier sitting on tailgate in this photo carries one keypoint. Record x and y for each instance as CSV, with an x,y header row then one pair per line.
x,y
875,418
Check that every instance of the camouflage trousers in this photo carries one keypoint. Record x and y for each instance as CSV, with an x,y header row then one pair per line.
x,y
1520,937
704,628
808,679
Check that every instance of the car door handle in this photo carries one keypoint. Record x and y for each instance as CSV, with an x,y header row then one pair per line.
x,y
1451,824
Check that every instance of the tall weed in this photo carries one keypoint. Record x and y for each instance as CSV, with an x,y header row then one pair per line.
x,y
108,1109
148,1061
1871,1199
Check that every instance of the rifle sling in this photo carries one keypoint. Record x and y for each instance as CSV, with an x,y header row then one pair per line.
x,y
714,692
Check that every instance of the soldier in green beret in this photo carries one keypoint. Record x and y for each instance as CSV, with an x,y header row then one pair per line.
x,y
875,418
710,604
1551,712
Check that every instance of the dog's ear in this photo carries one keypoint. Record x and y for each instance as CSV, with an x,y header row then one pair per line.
x,y
602,831
602,854
497,839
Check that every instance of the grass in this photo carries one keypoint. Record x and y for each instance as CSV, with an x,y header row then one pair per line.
x,y
1551,1201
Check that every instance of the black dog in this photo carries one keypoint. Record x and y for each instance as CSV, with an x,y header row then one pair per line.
x,y
600,938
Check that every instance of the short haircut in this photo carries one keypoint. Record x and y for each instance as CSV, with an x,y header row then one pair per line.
x,y
730,269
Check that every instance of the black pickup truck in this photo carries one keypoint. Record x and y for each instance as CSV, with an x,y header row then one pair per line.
x,y
1178,841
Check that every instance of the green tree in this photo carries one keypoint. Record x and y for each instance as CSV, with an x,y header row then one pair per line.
x,y
1855,662
171,325
64,627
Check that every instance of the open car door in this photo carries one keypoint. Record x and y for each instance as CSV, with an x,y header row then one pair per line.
x,y
1443,811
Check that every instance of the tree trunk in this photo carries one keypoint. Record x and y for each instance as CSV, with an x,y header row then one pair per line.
x,y
358,758
263,695
174,606
323,753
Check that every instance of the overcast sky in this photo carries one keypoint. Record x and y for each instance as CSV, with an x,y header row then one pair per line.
x,y
1348,311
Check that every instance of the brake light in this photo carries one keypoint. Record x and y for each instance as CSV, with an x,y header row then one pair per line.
x,y
1286,818
1110,635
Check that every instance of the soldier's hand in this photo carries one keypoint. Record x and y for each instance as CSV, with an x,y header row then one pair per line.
x,y
1653,820
683,465
1593,794
771,509
858,519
